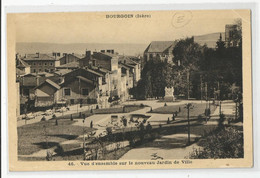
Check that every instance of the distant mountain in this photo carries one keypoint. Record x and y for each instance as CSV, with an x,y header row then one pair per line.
x,y
209,39
122,48
79,48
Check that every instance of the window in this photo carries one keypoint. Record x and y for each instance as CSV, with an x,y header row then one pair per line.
x,y
46,70
34,70
67,91
84,91
34,64
51,64
39,63
45,63
40,70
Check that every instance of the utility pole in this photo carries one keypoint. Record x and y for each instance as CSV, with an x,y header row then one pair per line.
x,y
201,88
219,99
206,88
188,83
218,93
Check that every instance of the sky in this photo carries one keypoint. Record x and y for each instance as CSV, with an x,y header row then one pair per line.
x,y
94,27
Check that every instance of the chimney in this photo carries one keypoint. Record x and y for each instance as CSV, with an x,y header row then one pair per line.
x,y
88,55
54,54
66,58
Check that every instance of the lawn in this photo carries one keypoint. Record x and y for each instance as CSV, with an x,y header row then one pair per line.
x,y
37,136
197,109
112,110
125,109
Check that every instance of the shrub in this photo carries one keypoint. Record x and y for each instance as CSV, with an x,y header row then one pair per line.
x,y
221,120
200,118
227,143
43,118
110,99
116,98
109,130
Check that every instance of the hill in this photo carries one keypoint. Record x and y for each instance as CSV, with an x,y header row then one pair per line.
x,y
209,39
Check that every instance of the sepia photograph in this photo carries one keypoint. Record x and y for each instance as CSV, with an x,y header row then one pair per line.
x,y
136,89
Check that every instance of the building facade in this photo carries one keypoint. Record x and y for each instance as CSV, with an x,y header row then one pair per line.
x,y
232,35
41,62
46,94
162,50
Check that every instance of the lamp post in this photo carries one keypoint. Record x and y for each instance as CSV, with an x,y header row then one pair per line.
x,y
188,106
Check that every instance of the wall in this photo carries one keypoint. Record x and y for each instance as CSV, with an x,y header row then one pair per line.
x,y
44,101
29,81
47,88
75,92
102,60
27,70
68,58
42,65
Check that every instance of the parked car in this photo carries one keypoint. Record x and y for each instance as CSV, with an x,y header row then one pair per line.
x,y
48,112
29,116
61,110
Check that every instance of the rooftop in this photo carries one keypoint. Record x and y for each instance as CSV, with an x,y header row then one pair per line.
x,y
84,79
22,64
19,72
62,72
38,56
159,46
50,82
69,65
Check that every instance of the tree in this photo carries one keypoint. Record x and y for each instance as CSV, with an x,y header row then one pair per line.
x,y
189,55
220,44
155,76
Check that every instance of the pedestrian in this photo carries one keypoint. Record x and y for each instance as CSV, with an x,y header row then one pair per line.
x,y
91,124
168,121
173,117
176,113
148,127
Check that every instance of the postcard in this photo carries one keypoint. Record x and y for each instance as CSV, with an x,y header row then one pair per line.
x,y
129,90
